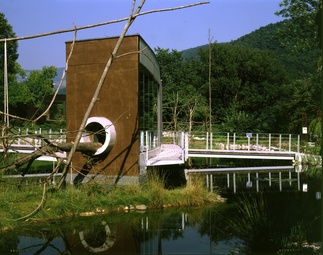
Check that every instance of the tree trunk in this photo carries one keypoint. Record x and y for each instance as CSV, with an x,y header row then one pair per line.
x,y
86,148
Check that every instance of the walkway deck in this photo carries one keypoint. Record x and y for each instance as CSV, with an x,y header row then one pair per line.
x,y
242,154
183,146
170,154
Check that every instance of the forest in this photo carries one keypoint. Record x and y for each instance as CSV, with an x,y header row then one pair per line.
x,y
253,84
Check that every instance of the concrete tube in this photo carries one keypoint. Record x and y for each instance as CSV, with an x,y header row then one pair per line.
x,y
100,129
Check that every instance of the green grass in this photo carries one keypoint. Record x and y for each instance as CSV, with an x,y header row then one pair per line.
x,y
19,199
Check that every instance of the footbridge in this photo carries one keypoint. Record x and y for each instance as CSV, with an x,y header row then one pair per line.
x,y
178,147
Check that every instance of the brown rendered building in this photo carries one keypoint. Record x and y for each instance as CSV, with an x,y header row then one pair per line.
x,y
129,102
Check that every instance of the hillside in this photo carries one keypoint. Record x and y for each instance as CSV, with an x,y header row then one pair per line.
x,y
266,38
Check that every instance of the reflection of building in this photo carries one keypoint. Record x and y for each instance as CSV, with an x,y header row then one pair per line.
x,y
129,101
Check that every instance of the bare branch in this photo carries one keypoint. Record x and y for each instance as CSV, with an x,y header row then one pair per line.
x,y
102,23
61,81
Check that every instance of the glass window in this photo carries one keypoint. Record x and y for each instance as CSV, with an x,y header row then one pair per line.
x,y
148,94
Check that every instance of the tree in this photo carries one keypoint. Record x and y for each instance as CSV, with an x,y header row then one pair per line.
x,y
247,81
182,97
27,97
6,31
304,25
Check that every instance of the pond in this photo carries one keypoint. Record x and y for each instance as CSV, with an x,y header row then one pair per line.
x,y
275,211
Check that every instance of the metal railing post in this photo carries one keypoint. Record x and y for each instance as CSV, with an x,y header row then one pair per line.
x,y
298,143
40,140
142,145
290,143
269,142
186,146
248,143
207,140
280,142
228,141
234,141
257,141
211,140
147,145
60,135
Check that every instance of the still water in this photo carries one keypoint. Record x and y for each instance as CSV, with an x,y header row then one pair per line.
x,y
274,211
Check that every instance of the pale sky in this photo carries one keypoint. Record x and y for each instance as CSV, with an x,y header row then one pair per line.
x,y
182,29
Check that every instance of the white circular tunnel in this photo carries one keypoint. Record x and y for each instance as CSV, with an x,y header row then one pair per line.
x,y
100,129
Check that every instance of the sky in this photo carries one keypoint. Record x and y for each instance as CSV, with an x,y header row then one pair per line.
x,y
224,20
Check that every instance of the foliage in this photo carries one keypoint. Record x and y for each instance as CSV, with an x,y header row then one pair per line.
x,y
299,65
27,96
315,130
247,80
302,33
237,121
244,80
6,31
181,89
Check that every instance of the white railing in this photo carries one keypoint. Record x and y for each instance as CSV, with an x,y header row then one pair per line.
x,y
246,141
223,141
34,137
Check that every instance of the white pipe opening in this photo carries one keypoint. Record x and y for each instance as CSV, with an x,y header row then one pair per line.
x,y
100,129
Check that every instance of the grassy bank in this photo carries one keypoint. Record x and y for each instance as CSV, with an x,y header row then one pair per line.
x,y
34,201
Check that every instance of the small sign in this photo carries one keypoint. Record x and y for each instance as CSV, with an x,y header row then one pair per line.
x,y
304,187
249,135
318,195
304,130
249,184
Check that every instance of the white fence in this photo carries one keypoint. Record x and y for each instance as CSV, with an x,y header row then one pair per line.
x,y
246,141
34,137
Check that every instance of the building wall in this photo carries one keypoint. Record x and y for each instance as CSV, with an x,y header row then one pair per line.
x,y
118,100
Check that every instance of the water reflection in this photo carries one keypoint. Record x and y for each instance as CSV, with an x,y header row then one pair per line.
x,y
264,221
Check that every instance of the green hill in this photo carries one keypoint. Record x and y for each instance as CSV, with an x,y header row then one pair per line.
x,y
266,38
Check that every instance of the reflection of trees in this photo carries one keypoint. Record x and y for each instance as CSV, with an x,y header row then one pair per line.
x,y
8,242
266,222
214,222
272,222
169,224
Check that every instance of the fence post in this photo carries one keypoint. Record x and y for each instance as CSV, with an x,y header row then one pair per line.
x,y
257,141
280,142
207,140
142,141
50,135
228,141
60,135
298,143
248,143
186,146
269,142
211,140
234,141
40,139
147,145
